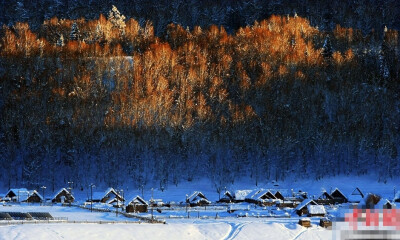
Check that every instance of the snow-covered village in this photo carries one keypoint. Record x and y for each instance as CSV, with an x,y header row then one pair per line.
x,y
247,119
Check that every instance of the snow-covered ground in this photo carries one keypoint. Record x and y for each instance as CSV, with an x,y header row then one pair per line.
x,y
174,229
127,228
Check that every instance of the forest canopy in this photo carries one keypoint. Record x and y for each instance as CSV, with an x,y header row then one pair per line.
x,y
108,100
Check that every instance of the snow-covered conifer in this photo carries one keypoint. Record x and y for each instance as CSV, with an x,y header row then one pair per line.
x,y
117,19
74,34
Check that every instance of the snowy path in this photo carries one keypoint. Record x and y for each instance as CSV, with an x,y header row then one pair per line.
x,y
235,229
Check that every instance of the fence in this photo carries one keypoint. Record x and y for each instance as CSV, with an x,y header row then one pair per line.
x,y
66,221
129,215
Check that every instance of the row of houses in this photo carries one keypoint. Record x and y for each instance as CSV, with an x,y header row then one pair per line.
x,y
33,196
299,201
289,198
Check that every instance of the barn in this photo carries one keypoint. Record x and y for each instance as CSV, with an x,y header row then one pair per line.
x,y
62,196
137,204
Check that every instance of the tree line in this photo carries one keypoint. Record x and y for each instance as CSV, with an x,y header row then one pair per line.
x,y
108,100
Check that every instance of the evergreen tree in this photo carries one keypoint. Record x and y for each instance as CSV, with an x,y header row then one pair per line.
x,y
327,50
74,34
60,41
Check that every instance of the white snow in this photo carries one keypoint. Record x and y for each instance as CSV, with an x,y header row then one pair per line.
x,y
316,209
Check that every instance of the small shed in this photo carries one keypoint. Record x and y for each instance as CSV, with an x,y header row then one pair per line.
x,y
197,199
338,196
325,222
316,210
137,204
356,196
302,208
305,222
62,196
385,204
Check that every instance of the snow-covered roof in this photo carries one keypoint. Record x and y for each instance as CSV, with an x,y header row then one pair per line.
x,y
284,192
337,191
305,203
356,196
264,192
242,194
357,191
60,191
137,200
325,195
101,195
196,196
316,209
228,194
23,196
17,191
383,202
253,193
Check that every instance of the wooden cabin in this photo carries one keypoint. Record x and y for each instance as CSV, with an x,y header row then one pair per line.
x,y
106,196
325,199
137,204
302,209
63,196
33,197
262,197
197,199
305,222
23,195
325,222
338,196
228,197
17,194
